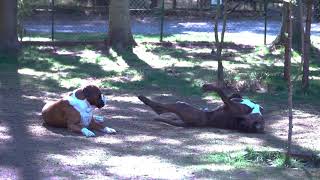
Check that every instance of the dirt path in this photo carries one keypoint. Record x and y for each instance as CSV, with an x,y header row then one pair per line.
x,y
142,149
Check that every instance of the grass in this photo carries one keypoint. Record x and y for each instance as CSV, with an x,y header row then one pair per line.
x,y
252,158
179,67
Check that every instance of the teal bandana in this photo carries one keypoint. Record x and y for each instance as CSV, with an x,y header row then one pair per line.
x,y
255,107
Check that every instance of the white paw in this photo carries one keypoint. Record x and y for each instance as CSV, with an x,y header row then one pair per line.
x,y
108,130
87,132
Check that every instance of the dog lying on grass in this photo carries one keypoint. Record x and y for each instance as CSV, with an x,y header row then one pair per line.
x,y
236,113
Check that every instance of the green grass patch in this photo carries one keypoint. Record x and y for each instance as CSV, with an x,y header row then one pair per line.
x,y
251,158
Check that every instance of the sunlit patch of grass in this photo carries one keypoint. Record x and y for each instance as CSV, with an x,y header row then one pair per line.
x,y
66,66
251,158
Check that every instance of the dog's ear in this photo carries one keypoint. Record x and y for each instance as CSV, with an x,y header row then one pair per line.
x,y
86,91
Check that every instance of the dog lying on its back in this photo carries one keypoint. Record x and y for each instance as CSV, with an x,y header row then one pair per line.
x,y
236,113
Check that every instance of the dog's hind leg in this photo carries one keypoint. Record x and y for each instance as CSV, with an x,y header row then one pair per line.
x,y
184,111
156,107
171,122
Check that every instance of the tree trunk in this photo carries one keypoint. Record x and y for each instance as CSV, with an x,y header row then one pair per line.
x,y
219,43
297,21
120,37
281,36
288,47
287,52
174,4
296,33
9,43
305,77
154,4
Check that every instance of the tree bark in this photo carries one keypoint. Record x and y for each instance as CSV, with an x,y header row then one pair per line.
x,y
307,45
288,48
154,4
174,4
296,32
120,37
287,52
281,36
9,43
297,21
219,43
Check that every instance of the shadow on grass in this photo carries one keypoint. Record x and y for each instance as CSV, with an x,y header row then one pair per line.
x,y
14,112
156,79
179,50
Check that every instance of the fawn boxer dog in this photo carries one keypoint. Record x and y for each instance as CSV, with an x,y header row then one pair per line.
x,y
236,113
75,111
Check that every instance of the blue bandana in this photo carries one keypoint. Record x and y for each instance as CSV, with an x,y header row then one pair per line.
x,y
255,107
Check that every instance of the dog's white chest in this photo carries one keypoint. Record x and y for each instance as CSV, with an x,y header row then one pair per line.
x,y
83,107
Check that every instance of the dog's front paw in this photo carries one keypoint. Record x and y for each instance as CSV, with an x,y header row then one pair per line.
x,y
87,132
108,130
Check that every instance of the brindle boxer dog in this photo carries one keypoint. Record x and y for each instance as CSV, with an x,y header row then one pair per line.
x,y
75,111
236,113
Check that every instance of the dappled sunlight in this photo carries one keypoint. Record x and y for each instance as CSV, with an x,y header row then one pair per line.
x,y
5,134
85,157
169,141
140,138
125,98
305,127
162,61
10,172
37,130
144,166
31,72
89,55
108,139
210,136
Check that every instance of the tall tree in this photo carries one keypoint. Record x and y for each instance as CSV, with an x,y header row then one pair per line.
x,y
8,27
307,46
219,43
120,37
288,47
174,4
296,32
297,21
281,36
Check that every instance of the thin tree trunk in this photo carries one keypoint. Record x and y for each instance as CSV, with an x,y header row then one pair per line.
x,y
120,37
287,52
288,48
299,2
297,21
219,43
305,76
9,43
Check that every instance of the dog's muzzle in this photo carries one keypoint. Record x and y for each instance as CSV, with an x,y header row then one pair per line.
x,y
102,101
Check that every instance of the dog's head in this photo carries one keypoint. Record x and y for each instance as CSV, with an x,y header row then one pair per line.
x,y
94,96
253,123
